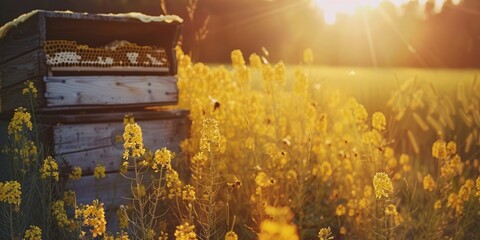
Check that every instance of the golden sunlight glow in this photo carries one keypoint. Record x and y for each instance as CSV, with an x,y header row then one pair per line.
x,y
331,9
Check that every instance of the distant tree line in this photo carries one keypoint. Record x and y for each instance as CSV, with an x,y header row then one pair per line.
x,y
381,37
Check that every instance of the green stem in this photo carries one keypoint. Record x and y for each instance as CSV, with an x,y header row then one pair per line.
x,y
211,198
139,199
377,226
49,209
157,196
11,223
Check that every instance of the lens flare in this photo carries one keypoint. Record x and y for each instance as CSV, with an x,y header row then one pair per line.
x,y
331,9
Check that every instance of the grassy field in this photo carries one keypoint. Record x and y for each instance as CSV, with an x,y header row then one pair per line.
x,y
294,152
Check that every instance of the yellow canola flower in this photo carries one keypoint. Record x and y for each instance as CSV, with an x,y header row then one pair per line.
x,y
262,180
391,210
173,183
455,202
271,230
49,169
119,236
163,159
278,226
30,88
326,170
21,118
94,216
451,148
466,190
237,58
133,141
210,135
188,193
58,211
185,232
128,118
231,235
439,149
372,137
255,61
325,234
341,210
379,121
10,192
76,173
404,159
99,171
452,167
33,233
428,183
382,185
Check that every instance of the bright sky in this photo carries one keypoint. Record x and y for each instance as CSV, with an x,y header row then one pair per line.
x,y
331,8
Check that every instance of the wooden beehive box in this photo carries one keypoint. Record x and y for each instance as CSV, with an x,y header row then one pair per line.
x,y
90,71
80,60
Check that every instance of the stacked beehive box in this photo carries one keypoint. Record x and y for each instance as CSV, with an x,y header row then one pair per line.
x,y
90,70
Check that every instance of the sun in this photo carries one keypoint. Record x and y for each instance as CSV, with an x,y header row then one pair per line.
x,y
332,8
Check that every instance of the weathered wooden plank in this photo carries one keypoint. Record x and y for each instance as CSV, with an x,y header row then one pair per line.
x,y
12,97
24,67
5,161
22,38
86,145
113,190
101,115
110,90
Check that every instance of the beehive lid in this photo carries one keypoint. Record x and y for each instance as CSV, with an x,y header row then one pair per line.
x,y
125,17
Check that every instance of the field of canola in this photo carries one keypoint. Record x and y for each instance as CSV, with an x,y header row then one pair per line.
x,y
287,152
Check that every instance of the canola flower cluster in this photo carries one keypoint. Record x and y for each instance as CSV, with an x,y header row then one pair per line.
x,y
185,231
99,171
30,88
33,233
21,120
76,173
279,226
162,159
49,169
10,192
94,217
60,214
325,234
383,185
133,143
